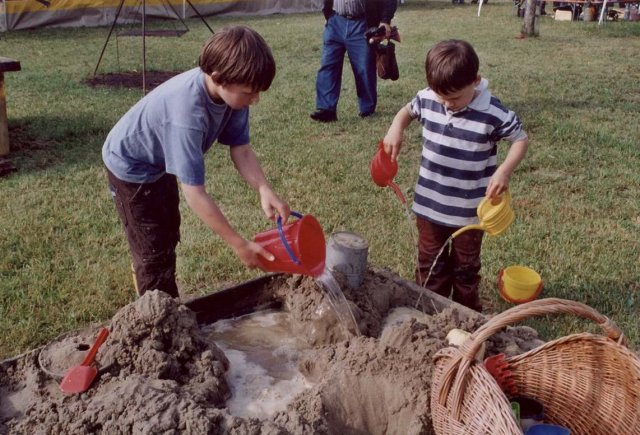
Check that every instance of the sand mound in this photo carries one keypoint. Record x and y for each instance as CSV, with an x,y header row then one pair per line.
x,y
163,375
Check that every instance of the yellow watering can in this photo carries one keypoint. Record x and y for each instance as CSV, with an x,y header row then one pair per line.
x,y
495,215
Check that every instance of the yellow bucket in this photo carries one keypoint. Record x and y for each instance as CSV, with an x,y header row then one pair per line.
x,y
519,284
495,215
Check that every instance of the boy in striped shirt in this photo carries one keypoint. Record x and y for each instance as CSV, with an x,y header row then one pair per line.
x,y
461,126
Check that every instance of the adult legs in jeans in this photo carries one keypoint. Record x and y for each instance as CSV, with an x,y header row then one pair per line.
x,y
151,219
342,35
329,78
363,64
458,267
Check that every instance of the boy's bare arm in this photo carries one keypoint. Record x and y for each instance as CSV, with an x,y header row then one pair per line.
x,y
247,164
393,139
499,182
208,211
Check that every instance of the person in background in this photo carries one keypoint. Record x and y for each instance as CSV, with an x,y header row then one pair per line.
x,y
462,124
346,24
162,140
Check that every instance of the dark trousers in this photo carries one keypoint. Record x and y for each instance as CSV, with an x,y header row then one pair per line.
x,y
457,269
151,219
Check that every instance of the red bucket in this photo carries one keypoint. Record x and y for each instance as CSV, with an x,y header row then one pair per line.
x,y
383,170
298,247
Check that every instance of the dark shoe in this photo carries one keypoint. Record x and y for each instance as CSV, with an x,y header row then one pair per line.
x,y
322,115
365,114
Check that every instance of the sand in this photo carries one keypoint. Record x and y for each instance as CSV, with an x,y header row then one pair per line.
x,y
161,373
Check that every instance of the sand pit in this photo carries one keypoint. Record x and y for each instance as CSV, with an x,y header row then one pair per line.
x,y
161,372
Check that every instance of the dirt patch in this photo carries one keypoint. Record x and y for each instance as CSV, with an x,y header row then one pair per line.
x,y
21,140
160,372
130,79
21,143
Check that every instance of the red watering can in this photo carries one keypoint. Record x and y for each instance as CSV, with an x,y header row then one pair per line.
x,y
298,247
383,170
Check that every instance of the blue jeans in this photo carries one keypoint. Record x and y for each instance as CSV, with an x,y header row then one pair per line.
x,y
340,35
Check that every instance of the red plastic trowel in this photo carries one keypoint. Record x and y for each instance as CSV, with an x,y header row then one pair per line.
x,y
79,378
498,367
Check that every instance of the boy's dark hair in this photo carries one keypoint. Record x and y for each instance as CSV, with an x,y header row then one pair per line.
x,y
451,65
240,56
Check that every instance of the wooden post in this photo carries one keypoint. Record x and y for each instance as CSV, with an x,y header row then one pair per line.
x,y
6,64
4,125
529,24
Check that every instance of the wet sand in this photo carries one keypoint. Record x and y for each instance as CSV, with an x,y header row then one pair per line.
x,y
160,372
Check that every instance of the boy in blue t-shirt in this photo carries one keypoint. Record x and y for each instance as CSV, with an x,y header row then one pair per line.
x,y
461,126
162,140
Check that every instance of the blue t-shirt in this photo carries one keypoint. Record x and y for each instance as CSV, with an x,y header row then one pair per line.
x,y
170,130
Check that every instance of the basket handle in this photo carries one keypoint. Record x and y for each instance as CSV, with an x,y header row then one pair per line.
x,y
455,374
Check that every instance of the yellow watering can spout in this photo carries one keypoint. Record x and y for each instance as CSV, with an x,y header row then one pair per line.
x,y
467,228
495,215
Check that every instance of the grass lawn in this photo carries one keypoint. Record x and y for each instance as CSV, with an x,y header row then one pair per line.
x,y
64,261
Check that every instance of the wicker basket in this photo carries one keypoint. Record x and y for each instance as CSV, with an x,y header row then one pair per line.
x,y
587,383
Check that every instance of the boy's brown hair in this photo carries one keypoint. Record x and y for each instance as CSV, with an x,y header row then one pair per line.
x,y
240,56
451,65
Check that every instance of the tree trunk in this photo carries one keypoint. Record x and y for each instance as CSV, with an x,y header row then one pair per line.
x,y
529,24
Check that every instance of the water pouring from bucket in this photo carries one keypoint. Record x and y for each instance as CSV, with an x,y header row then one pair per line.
x,y
298,247
495,215
383,170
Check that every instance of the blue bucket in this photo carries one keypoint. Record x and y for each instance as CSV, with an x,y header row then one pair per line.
x,y
547,429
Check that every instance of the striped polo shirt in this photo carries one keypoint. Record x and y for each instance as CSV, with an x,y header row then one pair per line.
x,y
459,154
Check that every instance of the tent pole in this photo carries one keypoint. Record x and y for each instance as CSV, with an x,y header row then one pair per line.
x,y
201,17
6,19
104,47
144,48
168,3
602,17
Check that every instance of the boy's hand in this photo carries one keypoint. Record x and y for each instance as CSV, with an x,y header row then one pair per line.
x,y
248,252
272,204
393,140
392,143
498,183
500,179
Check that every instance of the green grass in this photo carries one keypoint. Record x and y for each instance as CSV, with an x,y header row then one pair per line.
x,y
63,257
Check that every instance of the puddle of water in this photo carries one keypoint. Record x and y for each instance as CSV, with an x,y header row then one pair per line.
x,y
339,303
263,354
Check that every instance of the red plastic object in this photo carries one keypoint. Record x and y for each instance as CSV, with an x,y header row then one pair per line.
x,y
298,247
79,378
498,368
383,170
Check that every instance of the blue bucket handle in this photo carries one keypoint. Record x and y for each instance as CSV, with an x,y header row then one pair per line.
x,y
283,239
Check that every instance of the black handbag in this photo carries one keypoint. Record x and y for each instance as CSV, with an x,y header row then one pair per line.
x,y
386,65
